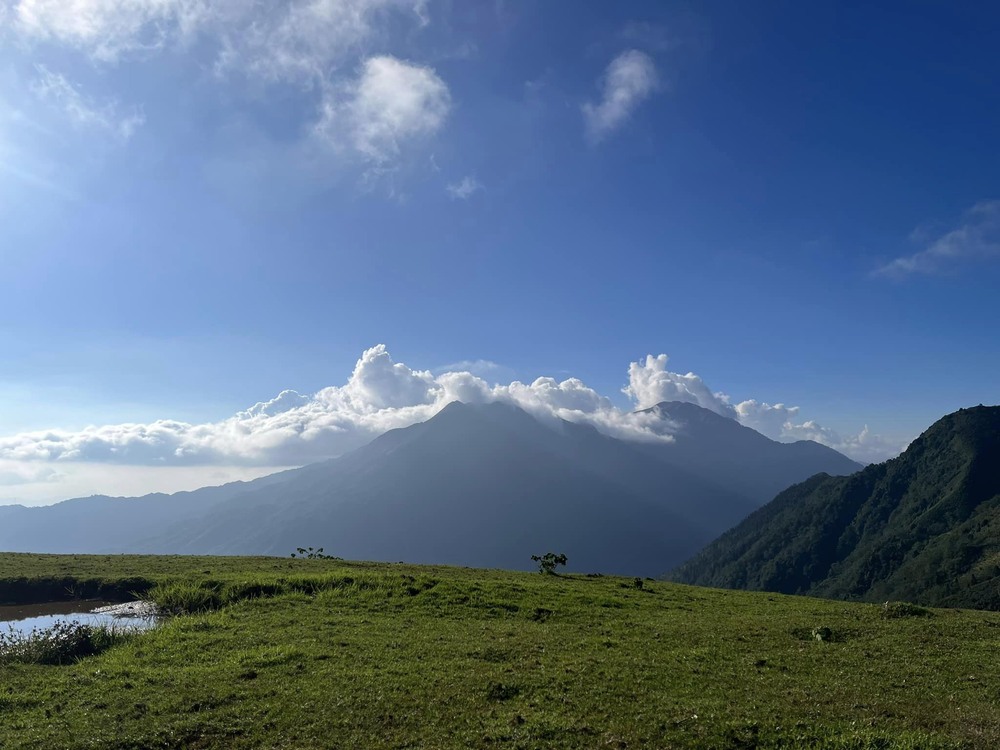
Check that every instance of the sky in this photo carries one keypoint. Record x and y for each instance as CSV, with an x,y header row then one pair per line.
x,y
243,236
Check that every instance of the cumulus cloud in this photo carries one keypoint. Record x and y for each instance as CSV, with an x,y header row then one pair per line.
x,y
650,382
865,446
381,394
367,106
391,103
629,80
780,422
977,236
293,429
83,111
768,419
464,188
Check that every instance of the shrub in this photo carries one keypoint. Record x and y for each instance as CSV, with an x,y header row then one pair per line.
x,y
822,634
308,553
62,643
548,562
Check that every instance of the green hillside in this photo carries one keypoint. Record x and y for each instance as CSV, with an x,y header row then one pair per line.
x,y
326,654
924,527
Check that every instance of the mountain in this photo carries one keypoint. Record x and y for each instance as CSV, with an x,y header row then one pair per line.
x,y
485,485
740,458
923,527
100,523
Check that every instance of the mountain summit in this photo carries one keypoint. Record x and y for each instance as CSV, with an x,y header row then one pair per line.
x,y
478,484
922,527
723,450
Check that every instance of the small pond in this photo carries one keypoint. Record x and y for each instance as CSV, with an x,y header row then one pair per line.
x,y
23,618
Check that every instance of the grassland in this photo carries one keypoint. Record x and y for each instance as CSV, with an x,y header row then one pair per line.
x,y
329,654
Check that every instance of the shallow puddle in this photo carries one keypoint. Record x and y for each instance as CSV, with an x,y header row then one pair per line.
x,y
23,618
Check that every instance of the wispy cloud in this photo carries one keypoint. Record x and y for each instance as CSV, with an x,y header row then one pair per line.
x,y
482,368
464,188
83,111
303,40
107,30
977,236
629,80
371,108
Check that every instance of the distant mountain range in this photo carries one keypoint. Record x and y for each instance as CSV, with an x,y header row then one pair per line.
x,y
479,485
923,527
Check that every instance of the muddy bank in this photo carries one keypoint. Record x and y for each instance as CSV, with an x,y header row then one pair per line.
x,y
23,618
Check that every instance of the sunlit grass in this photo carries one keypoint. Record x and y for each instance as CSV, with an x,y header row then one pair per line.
x,y
302,654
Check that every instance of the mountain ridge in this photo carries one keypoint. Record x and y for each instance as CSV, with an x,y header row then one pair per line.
x,y
923,527
484,484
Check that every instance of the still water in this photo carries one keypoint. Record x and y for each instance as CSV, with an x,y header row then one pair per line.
x,y
23,618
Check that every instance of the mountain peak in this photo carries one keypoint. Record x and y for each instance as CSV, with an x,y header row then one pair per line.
x,y
685,410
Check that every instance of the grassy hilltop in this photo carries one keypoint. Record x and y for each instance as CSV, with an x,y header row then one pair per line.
x,y
310,653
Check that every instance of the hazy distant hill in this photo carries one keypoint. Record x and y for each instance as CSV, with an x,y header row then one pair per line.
x,y
484,485
108,524
923,527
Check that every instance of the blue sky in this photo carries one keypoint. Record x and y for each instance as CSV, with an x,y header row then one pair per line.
x,y
204,203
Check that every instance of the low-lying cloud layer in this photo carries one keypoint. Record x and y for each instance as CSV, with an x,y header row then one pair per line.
x,y
294,429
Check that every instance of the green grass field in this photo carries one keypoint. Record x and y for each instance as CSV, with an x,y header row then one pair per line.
x,y
328,654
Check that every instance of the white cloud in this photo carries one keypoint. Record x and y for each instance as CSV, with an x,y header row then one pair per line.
x,y
293,429
367,106
767,419
303,40
650,382
291,40
977,236
629,80
106,30
864,447
778,422
391,103
464,188
83,111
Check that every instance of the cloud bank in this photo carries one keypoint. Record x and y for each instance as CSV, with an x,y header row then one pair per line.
x,y
293,429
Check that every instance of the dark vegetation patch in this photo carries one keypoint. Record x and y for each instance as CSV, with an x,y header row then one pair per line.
x,y
897,610
501,691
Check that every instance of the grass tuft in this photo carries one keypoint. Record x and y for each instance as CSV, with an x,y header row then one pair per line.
x,y
64,642
897,610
